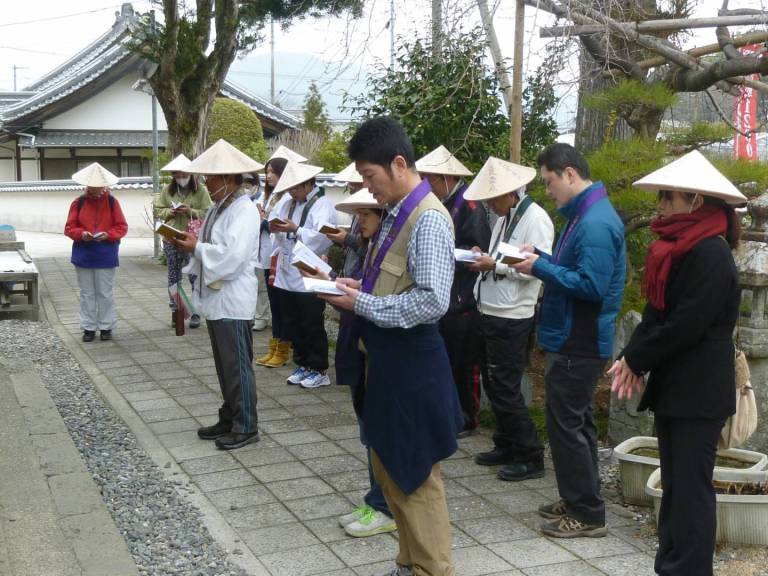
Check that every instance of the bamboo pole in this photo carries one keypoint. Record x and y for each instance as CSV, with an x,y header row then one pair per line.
x,y
516,110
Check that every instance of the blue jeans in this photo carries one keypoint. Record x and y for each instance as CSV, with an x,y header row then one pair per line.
x,y
375,497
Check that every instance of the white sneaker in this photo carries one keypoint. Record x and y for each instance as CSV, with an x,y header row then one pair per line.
x,y
372,522
298,375
399,571
353,516
315,379
259,325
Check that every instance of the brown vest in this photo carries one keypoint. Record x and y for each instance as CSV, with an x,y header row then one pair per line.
x,y
394,277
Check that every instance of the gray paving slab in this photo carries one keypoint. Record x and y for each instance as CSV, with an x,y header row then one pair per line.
x,y
282,497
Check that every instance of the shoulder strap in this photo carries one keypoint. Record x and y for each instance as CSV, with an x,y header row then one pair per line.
x,y
308,207
81,201
527,201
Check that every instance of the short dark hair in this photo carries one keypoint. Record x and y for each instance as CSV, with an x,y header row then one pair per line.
x,y
559,156
379,141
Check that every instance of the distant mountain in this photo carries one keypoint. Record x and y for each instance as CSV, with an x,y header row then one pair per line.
x,y
293,74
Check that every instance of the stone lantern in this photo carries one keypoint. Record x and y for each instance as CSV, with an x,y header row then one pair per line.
x,y
752,329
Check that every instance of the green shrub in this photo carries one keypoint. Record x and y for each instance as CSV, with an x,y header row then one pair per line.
x,y
237,124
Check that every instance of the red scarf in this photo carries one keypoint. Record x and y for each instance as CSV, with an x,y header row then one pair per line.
x,y
678,234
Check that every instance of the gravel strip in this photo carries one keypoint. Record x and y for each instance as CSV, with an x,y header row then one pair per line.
x,y
164,533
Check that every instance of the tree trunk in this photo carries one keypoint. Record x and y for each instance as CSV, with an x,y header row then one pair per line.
x,y
594,127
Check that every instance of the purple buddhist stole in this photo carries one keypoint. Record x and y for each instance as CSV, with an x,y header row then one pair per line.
x,y
595,193
372,271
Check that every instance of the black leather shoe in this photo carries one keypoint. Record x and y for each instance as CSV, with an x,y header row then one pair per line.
x,y
89,335
212,432
233,440
194,321
494,458
518,471
106,335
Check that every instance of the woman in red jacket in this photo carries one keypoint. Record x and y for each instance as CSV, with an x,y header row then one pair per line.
x,y
96,224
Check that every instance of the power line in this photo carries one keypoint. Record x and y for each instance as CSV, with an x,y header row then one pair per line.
x,y
61,17
33,51
244,73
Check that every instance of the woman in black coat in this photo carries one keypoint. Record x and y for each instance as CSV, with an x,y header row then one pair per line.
x,y
685,342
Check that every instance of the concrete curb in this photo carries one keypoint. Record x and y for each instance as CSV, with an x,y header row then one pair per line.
x,y
212,518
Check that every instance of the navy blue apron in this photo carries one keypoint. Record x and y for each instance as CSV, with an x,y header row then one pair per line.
x,y
350,361
411,411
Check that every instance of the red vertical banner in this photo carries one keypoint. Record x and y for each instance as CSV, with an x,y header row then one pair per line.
x,y
745,115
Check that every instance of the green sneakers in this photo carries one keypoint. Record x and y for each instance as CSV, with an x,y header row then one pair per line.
x,y
370,522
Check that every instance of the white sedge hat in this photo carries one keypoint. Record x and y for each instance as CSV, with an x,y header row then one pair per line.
x,y
360,199
295,173
223,158
178,164
95,176
287,154
498,177
695,174
350,175
441,161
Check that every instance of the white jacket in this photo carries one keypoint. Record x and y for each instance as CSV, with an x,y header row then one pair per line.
x,y
288,276
505,292
227,264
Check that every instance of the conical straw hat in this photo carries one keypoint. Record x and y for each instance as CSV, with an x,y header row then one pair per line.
x,y
95,176
360,199
223,158
178,164
350,175
498,177
441,161
294,174
695,174
288,154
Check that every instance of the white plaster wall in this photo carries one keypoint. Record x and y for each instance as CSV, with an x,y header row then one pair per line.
x,y
117,107
47,211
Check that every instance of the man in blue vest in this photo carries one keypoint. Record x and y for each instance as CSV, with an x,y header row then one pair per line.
x,y
583,288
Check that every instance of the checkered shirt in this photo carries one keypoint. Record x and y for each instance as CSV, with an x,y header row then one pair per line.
x,y
430,263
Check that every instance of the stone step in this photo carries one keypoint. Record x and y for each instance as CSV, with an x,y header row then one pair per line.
x,y
52,518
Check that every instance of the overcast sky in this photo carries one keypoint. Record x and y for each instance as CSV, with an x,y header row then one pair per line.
x,y
37,35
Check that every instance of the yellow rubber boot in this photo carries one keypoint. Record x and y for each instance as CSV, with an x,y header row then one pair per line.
x,y
263,360
281,355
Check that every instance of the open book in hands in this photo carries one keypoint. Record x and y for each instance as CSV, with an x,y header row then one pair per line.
x,y
167,231
509,254
322,286
304,259
462,255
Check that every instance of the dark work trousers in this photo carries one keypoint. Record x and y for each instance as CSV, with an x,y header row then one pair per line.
x,y
278,330
570,386
687,520
304,322
506,355
232,344
462,335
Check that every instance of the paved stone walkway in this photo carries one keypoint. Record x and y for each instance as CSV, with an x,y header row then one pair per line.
x,y
275,504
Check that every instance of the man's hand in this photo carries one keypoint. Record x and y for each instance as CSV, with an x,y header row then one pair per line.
x,y
187,244
318,275
526,266
351,289
100,236
86,236
338,237
483,263
288,226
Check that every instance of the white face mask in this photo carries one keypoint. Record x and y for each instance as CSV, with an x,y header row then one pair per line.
x,y
182,182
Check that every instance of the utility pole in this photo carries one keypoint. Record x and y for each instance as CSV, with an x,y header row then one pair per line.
x,y
498,59
391,33
516,108
272,57
437,27
15,68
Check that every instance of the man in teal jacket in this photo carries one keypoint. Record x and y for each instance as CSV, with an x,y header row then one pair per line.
x,y
583,287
